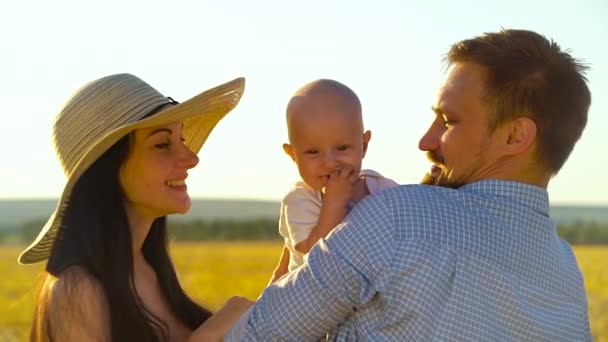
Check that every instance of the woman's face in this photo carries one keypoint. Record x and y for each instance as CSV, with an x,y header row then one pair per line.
x,y
153,177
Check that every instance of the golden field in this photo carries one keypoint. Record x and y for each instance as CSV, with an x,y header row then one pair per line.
x,y
212,272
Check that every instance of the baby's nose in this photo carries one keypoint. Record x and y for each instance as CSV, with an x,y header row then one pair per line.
x,y
331,161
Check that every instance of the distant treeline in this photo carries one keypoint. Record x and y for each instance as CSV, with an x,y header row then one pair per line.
x,y
191,230
266,229
584,233
223,229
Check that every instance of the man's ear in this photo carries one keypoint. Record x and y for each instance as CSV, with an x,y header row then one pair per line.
x,y
367,136
521,135
289,151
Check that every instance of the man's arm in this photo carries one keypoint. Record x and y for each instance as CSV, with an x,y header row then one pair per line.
x,y
343,271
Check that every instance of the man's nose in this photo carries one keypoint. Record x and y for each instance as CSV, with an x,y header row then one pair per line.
x,y
430,139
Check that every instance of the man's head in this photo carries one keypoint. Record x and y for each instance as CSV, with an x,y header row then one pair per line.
x,y
513,106
325,128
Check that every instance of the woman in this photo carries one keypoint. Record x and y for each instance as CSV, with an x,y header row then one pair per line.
x,y
126,150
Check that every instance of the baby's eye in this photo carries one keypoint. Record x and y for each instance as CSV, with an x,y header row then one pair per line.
x,y
311,152
342,147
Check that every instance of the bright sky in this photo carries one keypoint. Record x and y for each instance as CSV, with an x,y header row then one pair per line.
x,y
389,52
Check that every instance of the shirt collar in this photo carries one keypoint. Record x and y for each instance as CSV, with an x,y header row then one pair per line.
x,y
532,196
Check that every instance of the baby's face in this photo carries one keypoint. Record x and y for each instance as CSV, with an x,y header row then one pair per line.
x,y
322,143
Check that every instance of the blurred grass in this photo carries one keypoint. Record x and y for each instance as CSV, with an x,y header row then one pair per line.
x,y
213,272
593,262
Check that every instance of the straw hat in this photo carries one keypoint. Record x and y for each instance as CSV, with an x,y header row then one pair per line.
x,y
107,109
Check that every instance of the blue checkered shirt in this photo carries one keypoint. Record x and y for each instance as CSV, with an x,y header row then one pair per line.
x,y
426,263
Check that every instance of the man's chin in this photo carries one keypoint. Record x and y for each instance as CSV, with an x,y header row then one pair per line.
x,y
430,179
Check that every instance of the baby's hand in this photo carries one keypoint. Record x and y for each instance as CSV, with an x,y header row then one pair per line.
x,y
340,185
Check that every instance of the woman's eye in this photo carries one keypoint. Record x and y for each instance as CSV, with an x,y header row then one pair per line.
x,y
162,146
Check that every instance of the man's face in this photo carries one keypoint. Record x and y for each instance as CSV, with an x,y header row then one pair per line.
x,y
459,141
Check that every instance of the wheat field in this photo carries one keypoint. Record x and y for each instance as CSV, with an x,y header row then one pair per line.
x,y
212,272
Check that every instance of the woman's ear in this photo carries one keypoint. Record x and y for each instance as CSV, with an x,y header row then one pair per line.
x,y
289,151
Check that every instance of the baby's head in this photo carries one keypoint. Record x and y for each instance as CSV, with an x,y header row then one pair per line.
x,y
325,127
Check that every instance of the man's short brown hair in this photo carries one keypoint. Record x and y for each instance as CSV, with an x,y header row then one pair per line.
x,y
529,75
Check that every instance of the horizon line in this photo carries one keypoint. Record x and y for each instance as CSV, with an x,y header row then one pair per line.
x,y
249,199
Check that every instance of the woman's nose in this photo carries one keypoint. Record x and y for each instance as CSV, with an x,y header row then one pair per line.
x,y
188,159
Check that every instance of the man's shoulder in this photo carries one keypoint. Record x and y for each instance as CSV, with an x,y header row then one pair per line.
x,y
418,194
410,205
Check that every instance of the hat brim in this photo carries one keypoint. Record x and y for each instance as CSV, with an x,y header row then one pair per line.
x,y
200,114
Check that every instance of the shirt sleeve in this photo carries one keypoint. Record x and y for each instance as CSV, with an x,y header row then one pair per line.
x,y
344,270
299,215
238,329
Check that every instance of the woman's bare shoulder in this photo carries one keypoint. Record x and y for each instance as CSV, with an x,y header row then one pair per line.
x,y
75,283
77,306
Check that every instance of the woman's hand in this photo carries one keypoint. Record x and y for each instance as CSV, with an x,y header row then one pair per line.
x,y
220,323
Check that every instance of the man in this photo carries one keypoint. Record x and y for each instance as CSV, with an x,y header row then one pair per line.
x,y
475,257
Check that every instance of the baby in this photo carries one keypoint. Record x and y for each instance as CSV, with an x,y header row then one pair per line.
x,y
327,142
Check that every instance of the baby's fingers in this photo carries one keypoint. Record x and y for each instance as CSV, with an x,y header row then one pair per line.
x,y
346,172
349,174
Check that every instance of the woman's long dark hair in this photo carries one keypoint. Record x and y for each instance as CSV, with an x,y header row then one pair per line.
x,y
95,236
